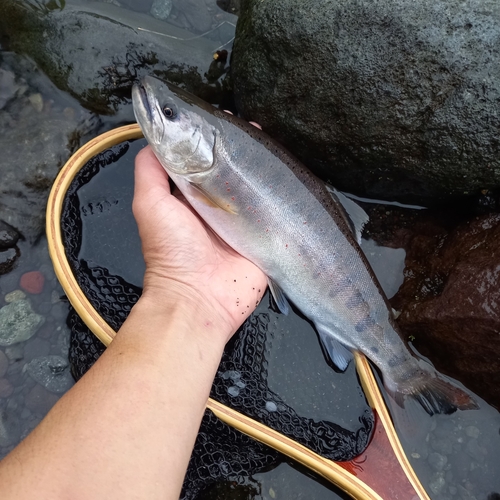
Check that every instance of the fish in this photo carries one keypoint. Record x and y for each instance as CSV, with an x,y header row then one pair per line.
x,y
303,235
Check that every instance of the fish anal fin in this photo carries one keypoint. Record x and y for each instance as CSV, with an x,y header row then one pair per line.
x,y
340,355
201,195
279,297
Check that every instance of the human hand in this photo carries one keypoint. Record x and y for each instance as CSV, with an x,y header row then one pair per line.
x,y
184,259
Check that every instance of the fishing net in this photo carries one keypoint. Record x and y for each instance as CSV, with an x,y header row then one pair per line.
x,y
103,249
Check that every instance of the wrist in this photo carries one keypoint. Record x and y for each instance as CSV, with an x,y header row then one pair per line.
x,y
184,309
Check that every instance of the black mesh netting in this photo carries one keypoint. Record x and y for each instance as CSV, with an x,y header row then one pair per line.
x,y
220,453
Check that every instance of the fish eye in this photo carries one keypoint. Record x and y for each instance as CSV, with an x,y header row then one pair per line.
x,y
169,111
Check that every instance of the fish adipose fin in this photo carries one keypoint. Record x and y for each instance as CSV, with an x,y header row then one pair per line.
x,y
201,195
279,297
435,395
355,216
339,354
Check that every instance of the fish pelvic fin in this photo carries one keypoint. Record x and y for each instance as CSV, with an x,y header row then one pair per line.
x,y
201,195
434,394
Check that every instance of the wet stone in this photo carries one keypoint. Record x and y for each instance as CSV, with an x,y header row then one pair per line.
x,y
475,451
437,461
8,86
4,363
18,322
32,282
8,235
15,352
39,400
52,372
472,431
6,388
437,483
442,446
161,9
9,428
36,348
7,259
14,296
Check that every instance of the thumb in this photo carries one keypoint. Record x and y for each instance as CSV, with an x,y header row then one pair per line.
x,y
150,180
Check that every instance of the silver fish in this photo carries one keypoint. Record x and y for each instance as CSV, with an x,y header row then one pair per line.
x,y
272,210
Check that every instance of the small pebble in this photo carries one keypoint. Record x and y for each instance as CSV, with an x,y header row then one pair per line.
x,y
437,461
6,388
15,295
32,282
36,101
472,431
271,407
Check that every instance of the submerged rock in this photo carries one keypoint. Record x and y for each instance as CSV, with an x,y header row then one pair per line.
x,y
34,144
8,236
394,98
96,51
18,322
52,372
450,301
8,259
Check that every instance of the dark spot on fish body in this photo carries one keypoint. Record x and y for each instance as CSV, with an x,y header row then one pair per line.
x,y
355,300
374,350
339,287
364,324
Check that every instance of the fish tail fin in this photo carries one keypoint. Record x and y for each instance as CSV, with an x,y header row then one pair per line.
x,y
434,394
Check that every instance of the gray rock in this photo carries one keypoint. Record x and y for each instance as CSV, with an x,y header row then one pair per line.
x,y
472,431
8,87
161,9
8,259
14,295
9,428
8,235
34,146
195,13
36,348
4,364
394,99
18,322
437,461
52,372
437,483
39,400
96,51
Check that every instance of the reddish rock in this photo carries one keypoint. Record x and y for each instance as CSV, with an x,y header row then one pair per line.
x,y
6,388
450,301
32,282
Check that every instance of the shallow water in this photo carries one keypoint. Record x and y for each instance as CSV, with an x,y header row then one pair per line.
x,y
455,456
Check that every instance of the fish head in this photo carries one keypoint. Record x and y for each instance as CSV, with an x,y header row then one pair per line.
x,y
182,139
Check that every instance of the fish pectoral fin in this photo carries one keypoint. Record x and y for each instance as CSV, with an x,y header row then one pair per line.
x,y
279,297
340,355
355,216
201,195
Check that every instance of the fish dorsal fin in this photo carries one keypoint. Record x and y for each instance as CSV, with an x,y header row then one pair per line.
x,y
355,216
201,195
279,297
339,354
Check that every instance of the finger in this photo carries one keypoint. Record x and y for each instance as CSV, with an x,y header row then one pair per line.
x,y
149,174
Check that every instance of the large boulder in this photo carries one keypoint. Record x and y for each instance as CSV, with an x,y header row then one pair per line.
x,y
390,98
95,51
449,302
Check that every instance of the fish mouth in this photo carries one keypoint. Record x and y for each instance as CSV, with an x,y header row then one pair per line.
x,y
140,93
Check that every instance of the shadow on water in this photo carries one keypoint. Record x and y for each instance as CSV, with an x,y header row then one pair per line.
x,y
455,456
